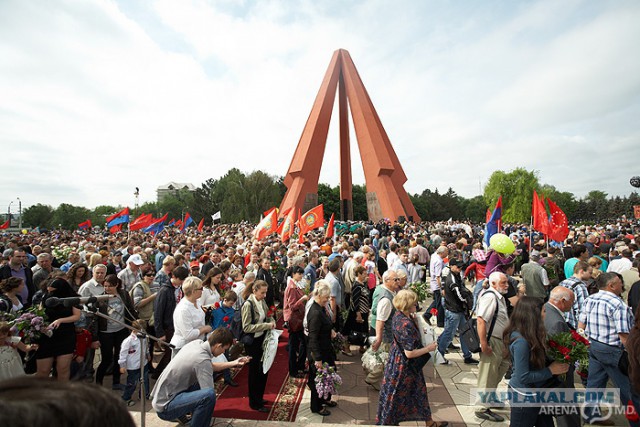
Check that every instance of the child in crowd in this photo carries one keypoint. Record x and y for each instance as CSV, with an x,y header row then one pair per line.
x,y
222,316
79,370
10,362
129,361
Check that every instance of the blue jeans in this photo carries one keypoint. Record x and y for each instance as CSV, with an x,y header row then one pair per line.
x,y
199,403
452,322
529,417
133,376
603,364
476,291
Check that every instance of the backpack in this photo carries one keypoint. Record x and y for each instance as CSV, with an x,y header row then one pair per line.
x,y
236,322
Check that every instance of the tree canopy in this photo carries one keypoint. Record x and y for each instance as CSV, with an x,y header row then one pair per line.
x,y
244,197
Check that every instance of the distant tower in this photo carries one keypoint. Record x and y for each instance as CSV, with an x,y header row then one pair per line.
x,y
384,177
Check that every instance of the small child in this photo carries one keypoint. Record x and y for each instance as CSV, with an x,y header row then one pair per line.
x,y
10,362
223,314
129,361
79,369
222,317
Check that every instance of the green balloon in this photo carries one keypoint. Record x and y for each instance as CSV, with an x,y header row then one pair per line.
x,y
502,243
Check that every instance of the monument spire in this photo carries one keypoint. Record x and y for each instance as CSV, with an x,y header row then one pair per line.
x,y
384,176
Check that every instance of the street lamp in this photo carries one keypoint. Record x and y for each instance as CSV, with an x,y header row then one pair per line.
x,y
9,213
20,213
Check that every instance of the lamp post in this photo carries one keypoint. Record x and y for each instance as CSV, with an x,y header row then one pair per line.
x,y
19,213
9,213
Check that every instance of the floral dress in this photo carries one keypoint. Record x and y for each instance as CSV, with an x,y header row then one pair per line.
x,y
403,394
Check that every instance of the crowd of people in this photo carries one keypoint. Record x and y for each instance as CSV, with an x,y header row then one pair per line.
x,y
186,288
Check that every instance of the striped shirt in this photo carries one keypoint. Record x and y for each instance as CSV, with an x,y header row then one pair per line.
x,y
581,293
605,316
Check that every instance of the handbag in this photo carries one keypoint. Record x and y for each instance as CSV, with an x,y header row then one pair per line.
x,y
623,363
469,331
415,363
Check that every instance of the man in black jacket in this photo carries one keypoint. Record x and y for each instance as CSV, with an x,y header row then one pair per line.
x,y
457,301
17,268
264,273
163,308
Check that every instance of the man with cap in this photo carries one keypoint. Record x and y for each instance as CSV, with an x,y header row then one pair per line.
x,y
194,269
131,275
457,302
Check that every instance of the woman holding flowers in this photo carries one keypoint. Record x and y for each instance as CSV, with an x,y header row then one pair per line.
x,y
526,338
403,391
320,349
60,346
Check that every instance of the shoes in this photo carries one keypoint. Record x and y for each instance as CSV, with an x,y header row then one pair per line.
x,y
487,414
471,361
261,409
323,412
444,361
452,346
376,387
184,420
117,387
346,353
331,404
231,383
130,403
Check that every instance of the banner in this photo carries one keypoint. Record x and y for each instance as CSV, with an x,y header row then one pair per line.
x,y
636,211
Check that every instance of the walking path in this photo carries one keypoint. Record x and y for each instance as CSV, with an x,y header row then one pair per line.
x,y
449,387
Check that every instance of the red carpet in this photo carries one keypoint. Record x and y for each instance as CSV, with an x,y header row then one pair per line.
x,y
283,393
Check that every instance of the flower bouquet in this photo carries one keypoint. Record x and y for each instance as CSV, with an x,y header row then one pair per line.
x,y
374,361
327,381
31,325
338,343
571,348
420,289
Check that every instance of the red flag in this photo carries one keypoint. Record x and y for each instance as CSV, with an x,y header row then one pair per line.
x,y
268,211
559,226
115,229
201,225
329,231
86,224
488,215
178,224
5,225
285,212
287,226
312,219
268,225
540,218
143,221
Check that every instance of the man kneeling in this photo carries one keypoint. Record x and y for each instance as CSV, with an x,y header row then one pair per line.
x,y
186,385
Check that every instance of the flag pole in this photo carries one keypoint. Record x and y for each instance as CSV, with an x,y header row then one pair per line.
x,y
530,233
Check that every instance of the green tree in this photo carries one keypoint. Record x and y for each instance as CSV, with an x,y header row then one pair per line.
x,y
329,197
261,192
475,209
38,215
68,217
516,188
359,197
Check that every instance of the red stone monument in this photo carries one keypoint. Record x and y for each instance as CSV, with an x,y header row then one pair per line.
x,y
384,177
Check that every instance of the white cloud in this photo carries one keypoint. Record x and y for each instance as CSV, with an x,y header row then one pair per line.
x,y
97,100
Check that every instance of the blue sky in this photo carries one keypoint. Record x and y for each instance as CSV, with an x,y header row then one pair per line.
x,y
100,97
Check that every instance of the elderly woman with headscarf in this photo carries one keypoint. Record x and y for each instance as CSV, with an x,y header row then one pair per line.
x,y
60,346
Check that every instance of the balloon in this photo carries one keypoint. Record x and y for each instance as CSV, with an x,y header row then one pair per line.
x,y
502,243
24,231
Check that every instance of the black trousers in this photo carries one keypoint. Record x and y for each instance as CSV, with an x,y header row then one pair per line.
x,y
316,401
257,379
110,343
297,352
166,356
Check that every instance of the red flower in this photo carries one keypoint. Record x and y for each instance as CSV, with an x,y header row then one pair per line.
x,y
273,308
216,305
553,344
225,319
234,285
567,358
434,312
